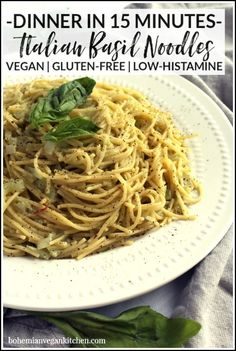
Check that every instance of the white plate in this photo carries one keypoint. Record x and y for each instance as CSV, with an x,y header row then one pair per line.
x,y
159,256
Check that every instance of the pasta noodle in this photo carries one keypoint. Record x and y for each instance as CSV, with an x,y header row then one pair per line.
x,y
90,194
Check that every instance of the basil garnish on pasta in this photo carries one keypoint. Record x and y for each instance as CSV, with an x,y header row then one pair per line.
x,y
59,102
71,129
94,193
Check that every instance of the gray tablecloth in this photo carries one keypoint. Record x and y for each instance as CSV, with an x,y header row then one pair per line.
x,y
205,292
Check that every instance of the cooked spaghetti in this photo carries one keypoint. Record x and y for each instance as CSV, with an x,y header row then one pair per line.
x,y
85,195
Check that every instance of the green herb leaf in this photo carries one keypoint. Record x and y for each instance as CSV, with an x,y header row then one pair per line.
x,y
137,327
59,102
72,128
72,94
43,112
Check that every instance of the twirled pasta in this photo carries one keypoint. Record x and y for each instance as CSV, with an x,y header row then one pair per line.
x,y
86,195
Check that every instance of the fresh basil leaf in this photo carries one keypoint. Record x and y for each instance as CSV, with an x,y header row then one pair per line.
x,y
87,83
180,329
68,330
44,112
72,94
59,102
136,328
72,128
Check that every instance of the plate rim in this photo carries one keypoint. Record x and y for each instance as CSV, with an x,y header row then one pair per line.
x,y
178,80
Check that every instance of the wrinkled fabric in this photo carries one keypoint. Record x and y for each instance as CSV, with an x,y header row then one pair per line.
x,y
208,298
